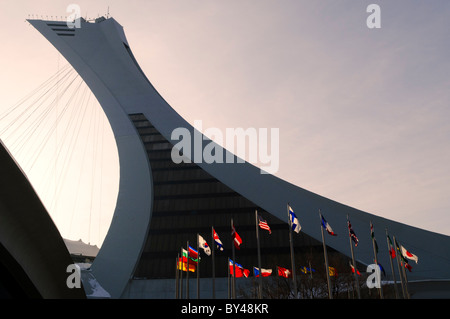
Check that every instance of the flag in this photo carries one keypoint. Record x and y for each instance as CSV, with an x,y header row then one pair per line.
x,y
283,272
236,238
240,271
353,269
408,266
263,224
193,255
391,248
264,272
352,234
333,271
294,221
403,258
217,240
372,234
409,255
392,252
327,227
182,265
204,245
305,269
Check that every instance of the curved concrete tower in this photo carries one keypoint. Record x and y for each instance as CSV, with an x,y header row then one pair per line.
x,y
161,204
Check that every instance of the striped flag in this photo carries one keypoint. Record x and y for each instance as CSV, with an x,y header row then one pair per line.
x,y
264,272
193,255
182,265
327,227
263,224
217,240
240,270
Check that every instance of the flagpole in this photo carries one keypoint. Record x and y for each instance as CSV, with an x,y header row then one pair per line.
x,y
176,275
392,265
198,268
259,255
375,256
228,279
406,281
399,267
187,272
353,260
402,260
310,269
327,269
233,278
181,274
405,273
294,278
213,264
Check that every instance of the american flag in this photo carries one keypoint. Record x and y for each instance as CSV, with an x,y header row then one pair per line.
x,y
263,224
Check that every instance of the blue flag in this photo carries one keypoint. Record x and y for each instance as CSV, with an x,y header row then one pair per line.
x,y
294,221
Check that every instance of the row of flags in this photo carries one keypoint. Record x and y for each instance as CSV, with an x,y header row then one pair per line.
x,y
281,271
193,254
237,240
190,258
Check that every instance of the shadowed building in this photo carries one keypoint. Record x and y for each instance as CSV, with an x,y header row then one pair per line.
x,y
33,256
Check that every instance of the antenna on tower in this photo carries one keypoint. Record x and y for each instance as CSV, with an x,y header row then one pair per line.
x,y
107,14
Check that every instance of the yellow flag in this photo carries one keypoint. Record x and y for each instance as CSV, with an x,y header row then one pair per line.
x,y
333,272
182,266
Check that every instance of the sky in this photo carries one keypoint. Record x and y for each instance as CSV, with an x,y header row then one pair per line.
x,y
362,112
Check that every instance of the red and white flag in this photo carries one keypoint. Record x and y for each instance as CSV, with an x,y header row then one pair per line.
x,y
264,272
284,272
263,224
236,238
